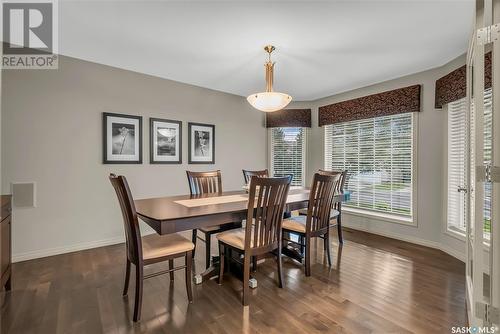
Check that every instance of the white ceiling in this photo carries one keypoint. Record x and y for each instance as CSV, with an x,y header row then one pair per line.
x,y
323,48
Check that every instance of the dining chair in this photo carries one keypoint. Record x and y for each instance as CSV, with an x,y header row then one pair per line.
x,y
247,174
317,221
201,183
336,212
262,233
143,251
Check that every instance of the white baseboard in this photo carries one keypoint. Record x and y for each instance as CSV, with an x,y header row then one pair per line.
x,y
65,249
413,240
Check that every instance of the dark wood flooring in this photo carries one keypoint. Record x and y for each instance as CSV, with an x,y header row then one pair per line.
x,y
376,285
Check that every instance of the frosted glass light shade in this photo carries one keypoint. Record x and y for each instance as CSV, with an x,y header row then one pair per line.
x,y
269,101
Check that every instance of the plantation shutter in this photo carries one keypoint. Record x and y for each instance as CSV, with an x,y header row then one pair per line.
x,y
377,153
488,141
457,127
288,153
457,133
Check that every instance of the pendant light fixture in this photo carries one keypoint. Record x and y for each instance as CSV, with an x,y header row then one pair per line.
x,y
269,101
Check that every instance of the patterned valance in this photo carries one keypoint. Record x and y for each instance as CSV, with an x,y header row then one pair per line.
x,y
392,102
288,118
453,86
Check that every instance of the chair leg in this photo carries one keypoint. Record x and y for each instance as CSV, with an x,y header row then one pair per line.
x,y
208,249
254,263
246,279
222,256
339,229
301,242
8,284
308,256
193,240
189,263
127,278
171,266
139,280
327,247
280,268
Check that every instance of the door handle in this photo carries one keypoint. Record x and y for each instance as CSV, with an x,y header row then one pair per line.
x,y
462,189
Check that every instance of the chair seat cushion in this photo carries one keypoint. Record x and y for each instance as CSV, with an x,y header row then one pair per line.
x,y
158,246
333,214
234,237
296,224
210,228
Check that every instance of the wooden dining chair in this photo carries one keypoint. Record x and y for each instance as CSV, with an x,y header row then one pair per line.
x,y
336,212
247,174
317,221
201,183
262,233
143,251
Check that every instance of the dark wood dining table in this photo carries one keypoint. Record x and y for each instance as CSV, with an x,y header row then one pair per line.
x,y
174,214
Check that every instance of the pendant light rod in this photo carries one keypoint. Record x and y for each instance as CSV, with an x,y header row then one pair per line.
x,y
269,76
269,65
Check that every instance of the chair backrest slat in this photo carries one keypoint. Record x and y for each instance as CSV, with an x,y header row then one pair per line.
x,y
267,199
340,185
130,221
325,186
247,174
204,182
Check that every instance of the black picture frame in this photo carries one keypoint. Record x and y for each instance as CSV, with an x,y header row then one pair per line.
x,y
210,128
152,146
108,157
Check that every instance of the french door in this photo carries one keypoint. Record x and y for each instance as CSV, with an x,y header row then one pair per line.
x,y
483,218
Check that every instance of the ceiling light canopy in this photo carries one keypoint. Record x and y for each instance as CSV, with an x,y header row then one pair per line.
x,y
269,101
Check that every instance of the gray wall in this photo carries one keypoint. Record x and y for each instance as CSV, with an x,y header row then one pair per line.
x,y
51,134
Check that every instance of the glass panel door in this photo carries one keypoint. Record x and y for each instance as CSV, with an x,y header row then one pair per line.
x,y
482,251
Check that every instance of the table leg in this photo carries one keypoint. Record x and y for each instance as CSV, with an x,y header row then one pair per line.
x,y
210,272
213,271
293,253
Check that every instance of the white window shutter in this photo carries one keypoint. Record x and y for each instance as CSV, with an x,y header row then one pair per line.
x,y
378,155
457,167
288,147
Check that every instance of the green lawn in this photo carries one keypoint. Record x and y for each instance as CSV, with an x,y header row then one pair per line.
x,y
487,225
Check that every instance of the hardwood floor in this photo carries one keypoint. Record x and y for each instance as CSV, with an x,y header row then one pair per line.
x,y
376,285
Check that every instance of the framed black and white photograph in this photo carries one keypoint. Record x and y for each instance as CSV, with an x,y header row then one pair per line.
x,y
201,143
165,141
122,139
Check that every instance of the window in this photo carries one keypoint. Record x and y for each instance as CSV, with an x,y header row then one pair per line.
x,y
457,167
378,155
288,153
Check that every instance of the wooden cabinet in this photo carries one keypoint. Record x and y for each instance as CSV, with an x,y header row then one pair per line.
x,y
5,241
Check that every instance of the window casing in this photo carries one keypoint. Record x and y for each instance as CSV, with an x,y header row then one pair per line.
x,y
288,150
378,155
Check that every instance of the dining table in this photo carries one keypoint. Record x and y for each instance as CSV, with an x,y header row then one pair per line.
x,y
172,214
